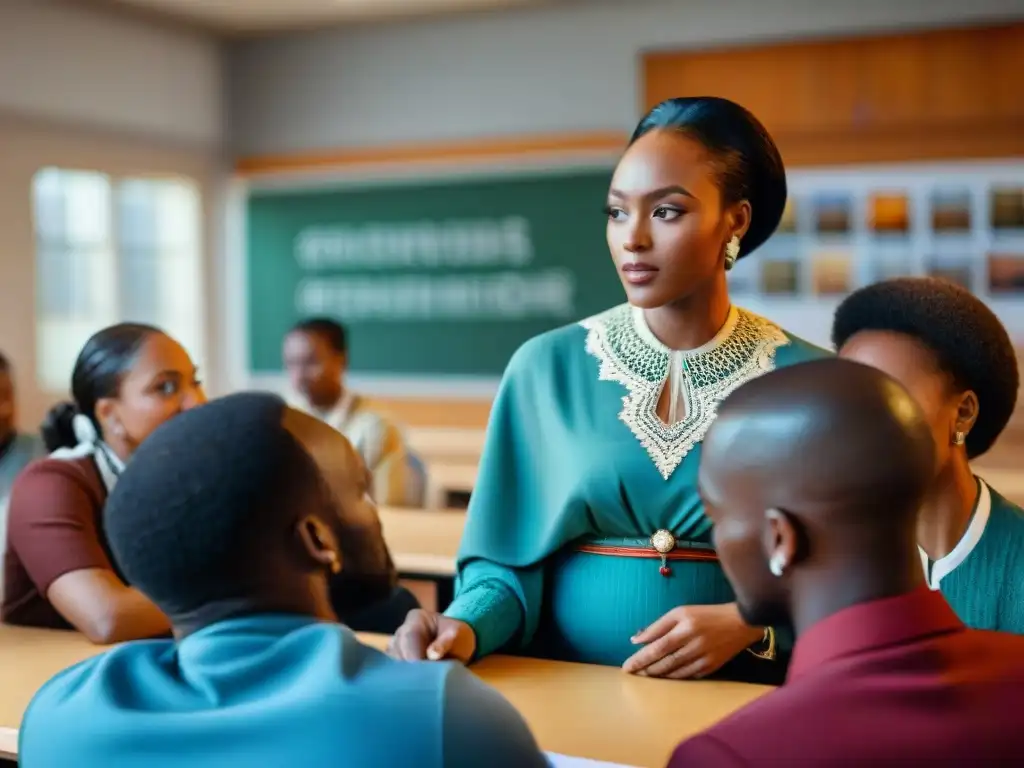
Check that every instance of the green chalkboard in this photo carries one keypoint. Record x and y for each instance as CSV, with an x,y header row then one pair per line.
x,y
431,278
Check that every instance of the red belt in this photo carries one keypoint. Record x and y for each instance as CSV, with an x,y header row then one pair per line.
x,y
661,546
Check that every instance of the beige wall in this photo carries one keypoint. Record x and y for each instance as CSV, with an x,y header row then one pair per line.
x,y
83,88
28,146
90,67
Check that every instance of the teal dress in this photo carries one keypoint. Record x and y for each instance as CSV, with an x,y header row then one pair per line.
x,y
273,691
983,577
579,472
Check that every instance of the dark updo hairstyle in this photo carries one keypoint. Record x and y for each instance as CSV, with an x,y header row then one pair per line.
x,y
968,341
98,371
749,163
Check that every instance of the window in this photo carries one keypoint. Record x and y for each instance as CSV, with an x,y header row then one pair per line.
x,y
109,250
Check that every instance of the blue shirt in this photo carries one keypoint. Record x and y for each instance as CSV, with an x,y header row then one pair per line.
x,y
270,691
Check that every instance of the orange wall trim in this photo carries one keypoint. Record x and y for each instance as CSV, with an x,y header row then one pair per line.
x,y
467,151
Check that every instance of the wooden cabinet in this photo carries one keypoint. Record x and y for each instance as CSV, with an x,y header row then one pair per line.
x,y
945,94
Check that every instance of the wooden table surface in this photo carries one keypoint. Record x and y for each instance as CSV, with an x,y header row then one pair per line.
x,y
573,709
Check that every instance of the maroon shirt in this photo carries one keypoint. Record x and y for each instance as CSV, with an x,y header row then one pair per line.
x,y
54,527
890,683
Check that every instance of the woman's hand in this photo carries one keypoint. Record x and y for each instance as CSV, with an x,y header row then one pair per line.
x,y
691,641
432,636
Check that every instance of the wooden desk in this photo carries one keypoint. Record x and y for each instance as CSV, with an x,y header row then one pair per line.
x,y
422,540
423,545
444,478
574,709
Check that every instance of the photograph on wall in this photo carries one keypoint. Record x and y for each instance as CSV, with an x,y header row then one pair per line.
x,y
833,212
787,224
780,277
743,276
887,264
1007,208
1006,273
832,273
957,268
951,211
889,213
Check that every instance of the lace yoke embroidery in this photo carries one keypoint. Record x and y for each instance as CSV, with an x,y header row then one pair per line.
x,y
629,354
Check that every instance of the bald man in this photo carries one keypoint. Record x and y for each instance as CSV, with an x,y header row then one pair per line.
x,y
812,476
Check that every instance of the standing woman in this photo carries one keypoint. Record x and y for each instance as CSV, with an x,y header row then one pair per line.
x,y
585,525
954,356
128,380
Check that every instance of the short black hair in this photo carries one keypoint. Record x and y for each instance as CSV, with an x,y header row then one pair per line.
x,y
751,166
967,339
99,369
330,330
5,364
191,519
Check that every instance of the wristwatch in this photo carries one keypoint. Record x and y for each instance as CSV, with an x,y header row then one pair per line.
x,y
765,647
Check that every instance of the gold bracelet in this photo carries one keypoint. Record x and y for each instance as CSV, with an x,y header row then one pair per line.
x,y
770,653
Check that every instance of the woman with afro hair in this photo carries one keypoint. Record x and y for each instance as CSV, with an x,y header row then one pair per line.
x,y
955,357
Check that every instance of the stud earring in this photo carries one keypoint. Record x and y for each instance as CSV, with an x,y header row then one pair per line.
x,y
777,565
959,438
333,562
732,252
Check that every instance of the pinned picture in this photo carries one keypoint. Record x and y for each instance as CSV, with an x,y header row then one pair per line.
x,y
889,213
1006,273
951,211
955,268
1007,207
832,273
743,277
833,213
780,277
888,264
787,224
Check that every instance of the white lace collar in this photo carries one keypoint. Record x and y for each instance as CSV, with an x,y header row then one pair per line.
x,y
630,354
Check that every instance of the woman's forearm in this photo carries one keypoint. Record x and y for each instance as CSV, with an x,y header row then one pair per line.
x,y
492,610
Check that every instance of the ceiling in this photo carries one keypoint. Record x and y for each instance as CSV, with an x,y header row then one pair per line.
x,y
259,16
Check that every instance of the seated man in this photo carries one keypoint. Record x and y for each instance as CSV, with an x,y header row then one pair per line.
x,y
16,449
234,540
316,356
813,476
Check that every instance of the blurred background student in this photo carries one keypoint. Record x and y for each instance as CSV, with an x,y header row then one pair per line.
x,y
316,358
128,380
17,449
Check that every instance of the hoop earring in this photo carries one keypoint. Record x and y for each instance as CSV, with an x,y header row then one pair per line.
x,y
959,438
732,252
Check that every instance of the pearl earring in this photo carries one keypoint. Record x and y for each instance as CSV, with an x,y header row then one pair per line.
x,y
732,252
777,565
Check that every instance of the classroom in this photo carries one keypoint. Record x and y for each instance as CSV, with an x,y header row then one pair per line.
x,y
415,222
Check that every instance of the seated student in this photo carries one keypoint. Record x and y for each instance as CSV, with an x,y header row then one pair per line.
x,y
813,476
127,380
316,356
235,540
954,356
16,449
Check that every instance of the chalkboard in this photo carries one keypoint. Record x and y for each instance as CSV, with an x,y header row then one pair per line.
x,y
431,278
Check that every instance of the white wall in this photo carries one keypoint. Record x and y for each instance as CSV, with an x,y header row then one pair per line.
x,y
80,66
570,68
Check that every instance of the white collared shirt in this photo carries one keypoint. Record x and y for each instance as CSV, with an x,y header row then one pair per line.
x,y
975,530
